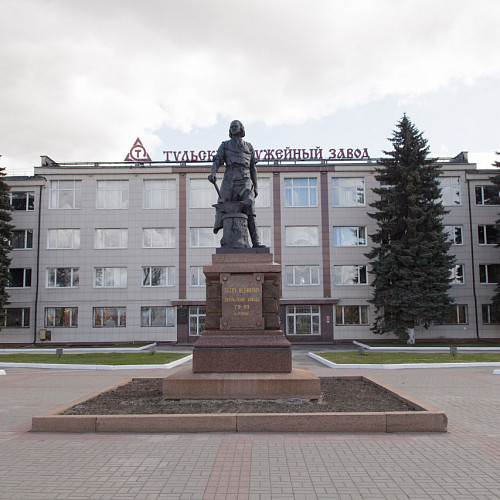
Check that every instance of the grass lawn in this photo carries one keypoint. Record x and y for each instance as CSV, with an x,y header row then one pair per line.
x,y
384,358
92,358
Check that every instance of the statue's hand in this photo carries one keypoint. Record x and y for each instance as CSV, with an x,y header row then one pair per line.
x,y
256,192
212,178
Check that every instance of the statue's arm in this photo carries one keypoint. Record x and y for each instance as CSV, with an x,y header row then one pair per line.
x,y
253,172
217,163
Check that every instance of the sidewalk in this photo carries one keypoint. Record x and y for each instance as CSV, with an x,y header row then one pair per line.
x,y
461,464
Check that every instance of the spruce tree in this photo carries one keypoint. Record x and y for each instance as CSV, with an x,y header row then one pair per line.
x,y
5,238
495,307
410,261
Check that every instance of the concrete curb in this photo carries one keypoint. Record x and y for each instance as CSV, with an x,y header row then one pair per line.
x,y
76,350
399,366
496,372
166,366
416,348
427,419
2,372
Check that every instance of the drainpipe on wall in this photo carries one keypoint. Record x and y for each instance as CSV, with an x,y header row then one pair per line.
x,y
473,261
37,267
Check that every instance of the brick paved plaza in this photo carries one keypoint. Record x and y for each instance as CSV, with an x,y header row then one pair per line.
x,y
462,463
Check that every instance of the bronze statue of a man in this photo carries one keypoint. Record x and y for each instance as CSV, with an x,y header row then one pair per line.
x,y
240,178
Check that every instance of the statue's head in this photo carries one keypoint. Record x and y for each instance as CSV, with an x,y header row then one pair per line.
x,y
236,129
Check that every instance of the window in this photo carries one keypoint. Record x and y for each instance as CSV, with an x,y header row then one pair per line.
x,y
302,320
455,234
65,194
487,195
349,236
109,317
204,237
301,192
348,192
23,201
22,239
302,275
62,277
157,316
58,239
450,191
350,275
456,316
264,190
202,193
491,316
111,238
61,317
197,276
159,193
489,273
112,194
457,274
302,236
264,236
158,237
110,277
19,278
487,235
16,318
351,315
197,319
158,276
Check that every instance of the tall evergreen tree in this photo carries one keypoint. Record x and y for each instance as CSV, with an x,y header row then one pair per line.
x,y
5,238
496,298
410,261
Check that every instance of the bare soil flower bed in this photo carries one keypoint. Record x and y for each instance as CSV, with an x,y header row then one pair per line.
x,y
338,394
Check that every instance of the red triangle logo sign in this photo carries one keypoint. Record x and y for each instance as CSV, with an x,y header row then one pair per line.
x,y
138,152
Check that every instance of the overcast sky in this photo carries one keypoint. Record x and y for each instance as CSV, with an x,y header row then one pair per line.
x,y
81,80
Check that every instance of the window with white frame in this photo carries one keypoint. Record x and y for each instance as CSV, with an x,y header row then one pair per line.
x,y
302,236
157,316
110,238
65,194
56,317
264,235
302,275
487,195
489,273
350,275
196,276
491,315
158,237
487,234
203,237
63,239
348,191
457,274
302,320
455,234
109,317
112,194
264,190
197,316
22,239
159,194
450,191
110,277
301,192
22,201
158,276
201,193
16,317
19,277
63,277
349,236
458,315
351,315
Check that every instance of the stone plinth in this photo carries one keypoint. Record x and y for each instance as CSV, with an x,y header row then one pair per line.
x,y
184,384
242,324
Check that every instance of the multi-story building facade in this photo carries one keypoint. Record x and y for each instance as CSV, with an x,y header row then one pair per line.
x,y
114,252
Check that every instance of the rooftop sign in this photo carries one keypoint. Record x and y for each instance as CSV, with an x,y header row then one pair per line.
x,y
137,152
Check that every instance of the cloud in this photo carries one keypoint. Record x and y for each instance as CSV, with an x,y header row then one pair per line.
x,y
81,79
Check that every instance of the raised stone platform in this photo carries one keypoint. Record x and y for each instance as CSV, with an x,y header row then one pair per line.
x,y
184,384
